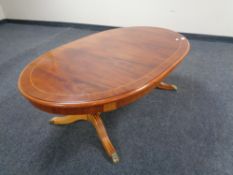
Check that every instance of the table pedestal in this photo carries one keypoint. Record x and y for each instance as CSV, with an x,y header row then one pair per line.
x,y
97,122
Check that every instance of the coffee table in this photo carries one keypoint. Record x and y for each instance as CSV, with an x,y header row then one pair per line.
x,y
100,73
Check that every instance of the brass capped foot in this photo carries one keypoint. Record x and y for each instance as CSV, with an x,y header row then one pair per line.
x,y
115,158
165,86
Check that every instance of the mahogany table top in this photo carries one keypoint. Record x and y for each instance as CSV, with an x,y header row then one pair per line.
x,y
103,71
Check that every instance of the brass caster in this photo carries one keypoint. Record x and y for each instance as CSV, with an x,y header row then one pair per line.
x,y
51,122
115,158
165,86
175,88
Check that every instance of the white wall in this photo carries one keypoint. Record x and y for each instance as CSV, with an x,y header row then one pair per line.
x,y
214,17
2,16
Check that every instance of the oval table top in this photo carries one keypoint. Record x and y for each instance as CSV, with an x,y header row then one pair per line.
x,y
103,71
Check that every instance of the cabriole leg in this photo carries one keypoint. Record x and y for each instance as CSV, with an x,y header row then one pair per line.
x,y
102,133
68,119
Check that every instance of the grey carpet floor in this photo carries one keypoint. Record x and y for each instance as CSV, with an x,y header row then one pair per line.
x,y
188,132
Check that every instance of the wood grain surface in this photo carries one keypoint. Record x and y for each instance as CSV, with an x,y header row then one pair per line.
x,y
103,71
